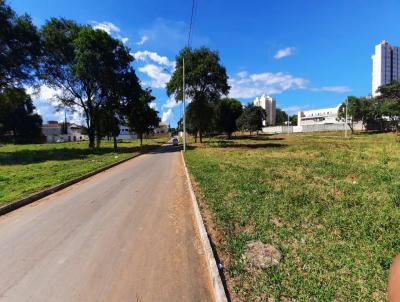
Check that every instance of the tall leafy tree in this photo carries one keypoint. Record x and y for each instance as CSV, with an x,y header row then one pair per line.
x,y
20,48
281,117
206,81
354,111
18,117
228,111
199,118
251,118
84,64
389,96
141,117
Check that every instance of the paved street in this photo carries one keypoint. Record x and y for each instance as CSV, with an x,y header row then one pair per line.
x,y
126,234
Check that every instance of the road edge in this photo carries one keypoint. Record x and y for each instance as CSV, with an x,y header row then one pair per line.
x,y
218,288
14,205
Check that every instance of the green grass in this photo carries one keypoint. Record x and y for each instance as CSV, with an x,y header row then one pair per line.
x,y
331,205
26,169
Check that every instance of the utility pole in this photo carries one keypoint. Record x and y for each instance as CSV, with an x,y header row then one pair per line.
x,y
345,124
184,107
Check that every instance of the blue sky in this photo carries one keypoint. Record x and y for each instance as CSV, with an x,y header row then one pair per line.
x,y
307,54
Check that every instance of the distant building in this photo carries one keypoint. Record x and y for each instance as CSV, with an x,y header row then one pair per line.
x,y
319,117
53,132
385,65
162,129
269,105
125,133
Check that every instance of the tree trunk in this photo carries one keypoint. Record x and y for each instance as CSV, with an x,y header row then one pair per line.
x,y
141,139
115,142
98,141
229,135
201,136
195,137
91,138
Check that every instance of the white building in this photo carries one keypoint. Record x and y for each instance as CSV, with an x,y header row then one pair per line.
x,y
269,105
385,65
53,132
125,133
319,116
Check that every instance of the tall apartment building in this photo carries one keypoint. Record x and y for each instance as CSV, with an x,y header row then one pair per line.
x,y
269,105
385,65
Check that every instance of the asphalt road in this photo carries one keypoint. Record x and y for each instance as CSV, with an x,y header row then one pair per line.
x,y
126,234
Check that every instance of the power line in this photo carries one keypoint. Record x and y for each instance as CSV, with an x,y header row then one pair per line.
x,y
191,24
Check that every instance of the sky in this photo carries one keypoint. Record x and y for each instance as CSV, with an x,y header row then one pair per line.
x,y
307,54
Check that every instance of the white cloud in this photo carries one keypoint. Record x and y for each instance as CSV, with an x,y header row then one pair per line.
x,y
167,116
124,39
153,56
285,52
108,27
242,74
249,86
153,105
159,77
171,103
337,89
143,40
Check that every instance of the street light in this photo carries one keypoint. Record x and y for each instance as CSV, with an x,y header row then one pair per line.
x,y
345,124
184,106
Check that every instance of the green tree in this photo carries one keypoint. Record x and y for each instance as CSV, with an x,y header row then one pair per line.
x,y
18,117
20,48
85,64
354,111
228,111
251,118
389,96
199,118
293,120
141,117
281,117
206,81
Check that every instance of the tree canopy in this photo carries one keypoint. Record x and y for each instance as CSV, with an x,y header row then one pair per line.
x,y
88,66
206,81
20,48
17,116
141,117
251,118
228,111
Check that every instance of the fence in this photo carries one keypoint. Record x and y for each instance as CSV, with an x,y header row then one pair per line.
x,y
310,128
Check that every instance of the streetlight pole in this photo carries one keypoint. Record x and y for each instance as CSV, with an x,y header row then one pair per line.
x,y
345,124
184,106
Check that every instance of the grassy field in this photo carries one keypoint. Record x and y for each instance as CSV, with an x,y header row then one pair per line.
x,y
330,205
26,169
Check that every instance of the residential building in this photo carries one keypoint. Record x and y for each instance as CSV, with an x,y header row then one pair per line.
x,y
269,105
385,65
162,129
53,132
319,116
125,133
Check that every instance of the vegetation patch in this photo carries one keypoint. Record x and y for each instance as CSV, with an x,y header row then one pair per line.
x,y
26,169
329,205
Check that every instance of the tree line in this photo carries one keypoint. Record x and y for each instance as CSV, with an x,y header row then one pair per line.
x,y
90,70
206,83
375,113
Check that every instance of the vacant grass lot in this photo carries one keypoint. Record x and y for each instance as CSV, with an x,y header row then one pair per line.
x,y
330,205
26,169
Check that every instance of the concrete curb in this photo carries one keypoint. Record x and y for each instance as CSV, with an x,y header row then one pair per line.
x,y
218,288
36,196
